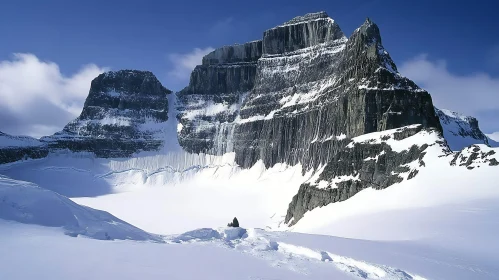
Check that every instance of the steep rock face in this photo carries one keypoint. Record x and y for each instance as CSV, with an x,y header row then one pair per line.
x,y
124,113
299,33
14,148
461,131
312,90
214,95
311,84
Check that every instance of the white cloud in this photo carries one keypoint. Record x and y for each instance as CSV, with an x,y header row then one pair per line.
x,y
469,94
183,64
37,99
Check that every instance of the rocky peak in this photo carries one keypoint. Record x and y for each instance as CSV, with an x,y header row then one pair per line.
x,y
126,90
307,17
367,64
117,116
368,31
249,52
301,32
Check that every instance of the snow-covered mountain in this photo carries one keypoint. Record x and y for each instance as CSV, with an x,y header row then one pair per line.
x,y
304,130
461,131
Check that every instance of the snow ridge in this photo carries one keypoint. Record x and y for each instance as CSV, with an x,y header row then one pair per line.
x,y
25,202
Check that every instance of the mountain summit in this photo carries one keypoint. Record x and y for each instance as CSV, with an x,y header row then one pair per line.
x,y
123,114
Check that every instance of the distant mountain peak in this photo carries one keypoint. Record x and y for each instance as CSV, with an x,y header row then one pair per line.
x,y
308,17
369,32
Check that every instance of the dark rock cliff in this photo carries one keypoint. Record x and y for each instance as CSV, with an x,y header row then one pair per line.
x,y
122,115
214,95
311,83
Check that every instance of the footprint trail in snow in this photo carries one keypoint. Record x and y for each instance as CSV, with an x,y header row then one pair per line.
x,y
265,245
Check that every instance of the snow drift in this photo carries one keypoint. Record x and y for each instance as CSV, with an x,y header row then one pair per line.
x,y
27,203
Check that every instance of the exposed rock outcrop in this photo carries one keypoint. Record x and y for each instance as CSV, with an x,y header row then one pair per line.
x,y
368,162
475,156
216,91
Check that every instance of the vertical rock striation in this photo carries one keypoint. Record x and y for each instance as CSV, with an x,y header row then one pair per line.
x,y
211,102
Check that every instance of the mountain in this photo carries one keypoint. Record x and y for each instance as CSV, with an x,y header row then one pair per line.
x,y
125,112
308,83
461,131
300,101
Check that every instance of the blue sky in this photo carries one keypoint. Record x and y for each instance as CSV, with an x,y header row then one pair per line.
x,y
450,47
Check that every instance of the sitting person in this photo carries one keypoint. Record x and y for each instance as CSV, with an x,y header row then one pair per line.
x,y
235,223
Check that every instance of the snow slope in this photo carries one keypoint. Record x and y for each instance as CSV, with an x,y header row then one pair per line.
x,y
27,203
150,193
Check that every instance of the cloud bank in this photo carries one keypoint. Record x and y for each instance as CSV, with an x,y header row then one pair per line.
x,y
470,94
37,99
